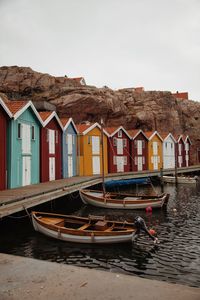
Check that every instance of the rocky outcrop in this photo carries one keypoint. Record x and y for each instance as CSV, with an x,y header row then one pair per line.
x,y
146,110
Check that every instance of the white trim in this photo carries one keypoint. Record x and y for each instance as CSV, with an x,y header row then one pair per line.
x,y
169,135
25,107
155,133
3,104
52,115
139,131
67,124
118,129
187,138
92,127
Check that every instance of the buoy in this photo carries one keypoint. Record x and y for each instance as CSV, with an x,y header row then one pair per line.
x,y
174,210
148,209
152,231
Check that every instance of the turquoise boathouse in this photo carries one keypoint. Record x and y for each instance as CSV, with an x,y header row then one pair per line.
x,y
69,148
23,155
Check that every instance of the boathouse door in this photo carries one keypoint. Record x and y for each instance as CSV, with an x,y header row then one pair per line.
x,y
70,166
26,170
96,165
140,163
51,168
26,152
120,163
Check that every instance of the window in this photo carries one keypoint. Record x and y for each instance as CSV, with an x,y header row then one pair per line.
x,y
124,142
33,132
114,142
114,160
19,131
88,139
120,133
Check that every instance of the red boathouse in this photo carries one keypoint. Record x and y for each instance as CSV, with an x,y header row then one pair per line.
x,y
5,114
50,146
139,150
180,151
118,150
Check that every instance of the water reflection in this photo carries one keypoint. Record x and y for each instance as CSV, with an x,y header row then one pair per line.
x,y
175,259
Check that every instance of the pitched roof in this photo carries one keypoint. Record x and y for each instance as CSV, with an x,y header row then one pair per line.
x,y
45,115
15,106
135,132
164,135
83,127
150,134
110,130
64,121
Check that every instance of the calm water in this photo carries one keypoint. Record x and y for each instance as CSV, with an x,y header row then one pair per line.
x,y
176,259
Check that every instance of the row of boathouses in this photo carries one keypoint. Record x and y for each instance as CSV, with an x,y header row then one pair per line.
x,y
40,146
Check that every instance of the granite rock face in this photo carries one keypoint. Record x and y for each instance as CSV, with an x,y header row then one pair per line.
x,y
148,110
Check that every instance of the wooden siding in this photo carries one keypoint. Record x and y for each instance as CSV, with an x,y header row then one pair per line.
x,y
44,151
85,155
70,130
180,153
134,155
3,166
15,155
151,156
169,153
112,152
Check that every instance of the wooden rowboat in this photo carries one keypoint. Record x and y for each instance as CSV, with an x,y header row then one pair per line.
x,y
122,201
93,229
180,179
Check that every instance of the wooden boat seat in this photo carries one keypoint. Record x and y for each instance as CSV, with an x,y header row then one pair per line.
x,y
84,226
96,218
53,221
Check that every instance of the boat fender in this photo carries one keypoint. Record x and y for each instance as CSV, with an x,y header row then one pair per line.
x,y
148,209
152,231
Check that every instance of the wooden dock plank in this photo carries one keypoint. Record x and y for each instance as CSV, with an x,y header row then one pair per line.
x,y
15,200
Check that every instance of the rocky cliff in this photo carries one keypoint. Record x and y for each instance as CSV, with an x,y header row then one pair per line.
x,y
148,110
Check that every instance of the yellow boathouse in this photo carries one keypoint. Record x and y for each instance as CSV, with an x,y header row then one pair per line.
x,y
155,156
89,147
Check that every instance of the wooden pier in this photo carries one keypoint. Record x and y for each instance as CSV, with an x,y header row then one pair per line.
x,y
19,199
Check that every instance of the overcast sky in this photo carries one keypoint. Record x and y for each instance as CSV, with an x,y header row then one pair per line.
x,y
117,43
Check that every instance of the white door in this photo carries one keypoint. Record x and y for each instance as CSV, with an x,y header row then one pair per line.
x,y
51,141
96,165
120,164
155,148
119,146
155,162
26,170
139,147
69,143
70,166
140,163
187,160
51,168
26,138
95,145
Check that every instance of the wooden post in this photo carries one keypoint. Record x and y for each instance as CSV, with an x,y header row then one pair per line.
x,y
102,149
161,180
176,162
